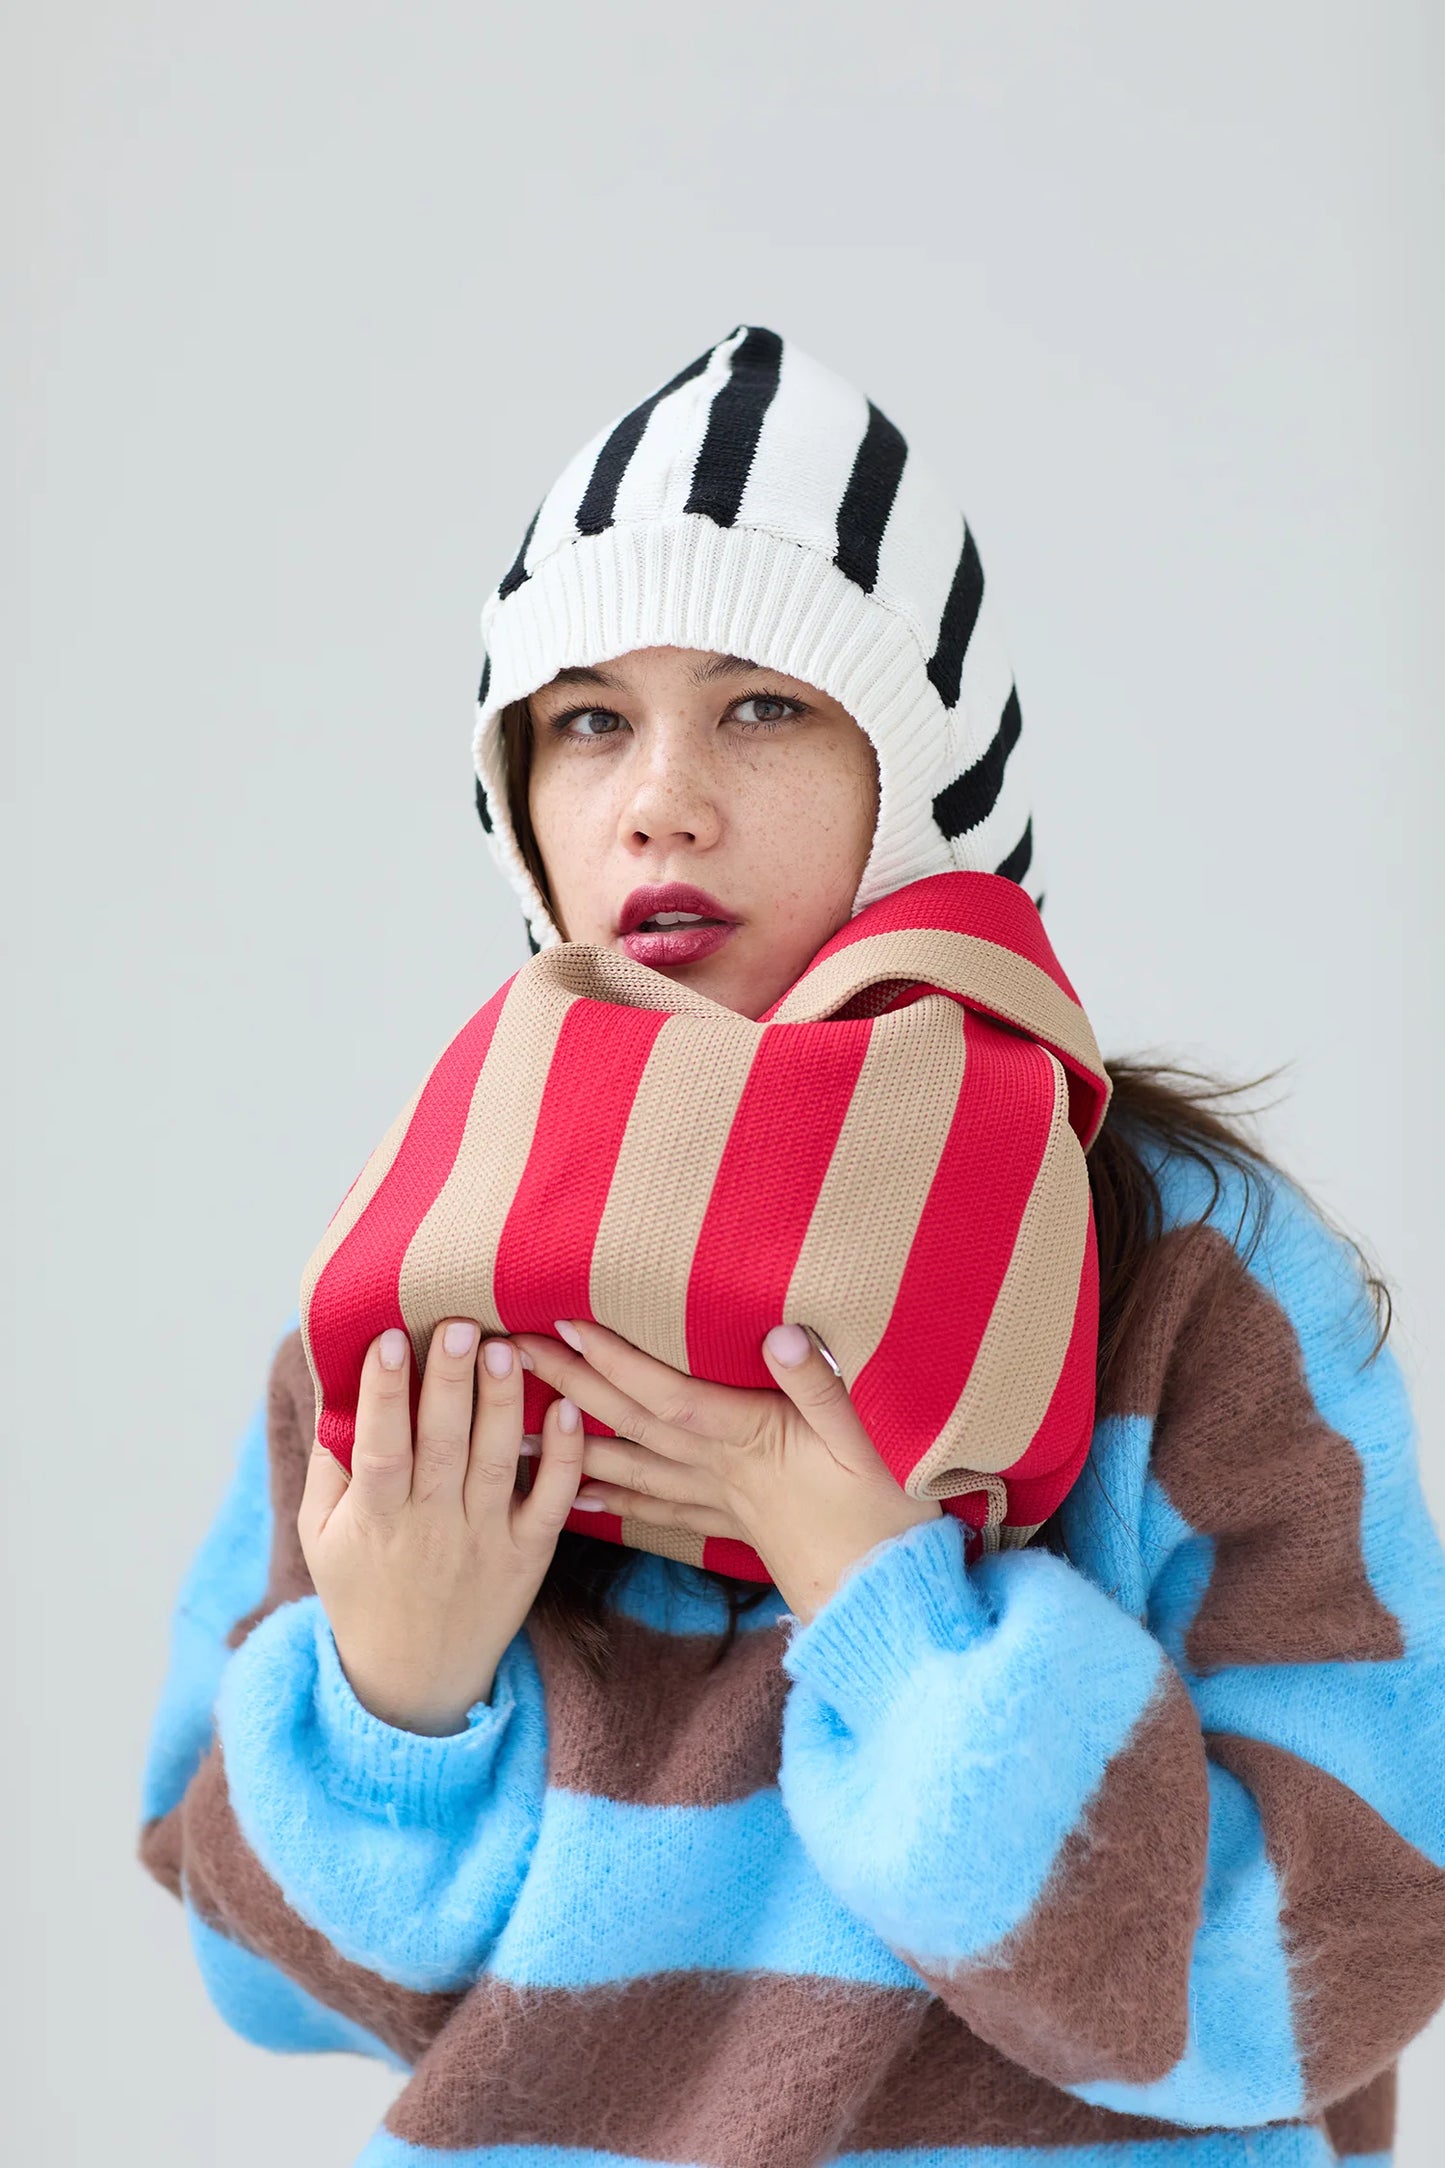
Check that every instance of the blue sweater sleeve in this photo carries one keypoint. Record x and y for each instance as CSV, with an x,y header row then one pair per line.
x,y
404,1850
341,1879
1175,1842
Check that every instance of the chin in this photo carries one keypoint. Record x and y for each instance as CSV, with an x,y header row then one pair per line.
x,y
723,983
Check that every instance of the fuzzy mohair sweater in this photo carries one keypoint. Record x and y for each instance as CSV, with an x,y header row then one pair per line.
x,y
1132,1857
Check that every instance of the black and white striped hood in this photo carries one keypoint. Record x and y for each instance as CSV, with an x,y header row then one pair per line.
x,y
758,505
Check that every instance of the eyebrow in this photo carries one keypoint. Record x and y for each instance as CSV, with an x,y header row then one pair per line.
x,y
574,674
717,666
722,666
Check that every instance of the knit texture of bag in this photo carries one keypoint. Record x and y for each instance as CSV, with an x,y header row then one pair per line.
x,y
893,1154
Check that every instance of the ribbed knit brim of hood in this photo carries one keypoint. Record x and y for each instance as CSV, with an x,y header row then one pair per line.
x,y
758,505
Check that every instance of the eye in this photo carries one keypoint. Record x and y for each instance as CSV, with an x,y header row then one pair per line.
x,y
772,709
605,716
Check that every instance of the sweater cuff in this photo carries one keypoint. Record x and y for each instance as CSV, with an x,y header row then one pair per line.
x,y
909,1598
402,1776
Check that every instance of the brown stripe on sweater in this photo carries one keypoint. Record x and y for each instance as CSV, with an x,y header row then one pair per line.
x,y
1363,1916
1247,1458
1095,1982
290,1436
850,2066
1364,2121
949,2087
615,2068
159,1849
681,1735
232,1891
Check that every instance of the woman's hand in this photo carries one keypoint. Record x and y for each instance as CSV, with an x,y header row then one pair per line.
x,y
793,1473
427,1558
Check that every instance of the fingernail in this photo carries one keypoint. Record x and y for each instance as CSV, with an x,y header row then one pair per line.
x,y
589,1505
567,1332
569,1415
525,1359
460,1336
392,1348
788,1345
530,1448
497,1355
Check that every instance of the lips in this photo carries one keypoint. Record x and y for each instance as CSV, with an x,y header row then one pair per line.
x,y
645,903
664,946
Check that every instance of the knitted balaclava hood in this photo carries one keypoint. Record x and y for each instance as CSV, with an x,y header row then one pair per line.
x,y
758,505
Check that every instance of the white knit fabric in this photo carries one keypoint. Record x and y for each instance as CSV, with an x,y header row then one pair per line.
x,y
760,506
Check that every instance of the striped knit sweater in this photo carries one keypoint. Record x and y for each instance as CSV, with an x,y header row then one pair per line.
x,y
1129,1854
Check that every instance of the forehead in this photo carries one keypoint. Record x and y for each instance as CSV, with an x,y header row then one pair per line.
x,y
697,666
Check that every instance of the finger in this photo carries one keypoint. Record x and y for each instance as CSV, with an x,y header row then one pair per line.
x,y
635,1394
555,1474
381,1452
326,1486
444,1414
496,1430
634,1468
658,1512
795,1358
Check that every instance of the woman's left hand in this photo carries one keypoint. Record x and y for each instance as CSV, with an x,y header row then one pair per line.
x,y
793,1473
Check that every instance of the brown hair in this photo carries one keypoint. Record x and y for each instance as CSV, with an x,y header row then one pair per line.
x,y
1153,1100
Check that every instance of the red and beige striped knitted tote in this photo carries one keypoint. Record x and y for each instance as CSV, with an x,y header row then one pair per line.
x,y
892,1154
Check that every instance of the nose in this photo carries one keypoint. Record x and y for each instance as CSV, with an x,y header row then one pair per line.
x,y
670,799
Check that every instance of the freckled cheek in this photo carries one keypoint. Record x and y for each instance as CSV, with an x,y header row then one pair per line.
x,y
574,828
808,813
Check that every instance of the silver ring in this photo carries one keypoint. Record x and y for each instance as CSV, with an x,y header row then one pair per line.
x,y
823,1349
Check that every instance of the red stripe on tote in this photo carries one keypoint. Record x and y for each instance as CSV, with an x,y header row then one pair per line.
x,y
987,905
793,1104
358,1294
966,1235
725,1554
544,1254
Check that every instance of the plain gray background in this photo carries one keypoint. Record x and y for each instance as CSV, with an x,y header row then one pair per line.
x,y
314,300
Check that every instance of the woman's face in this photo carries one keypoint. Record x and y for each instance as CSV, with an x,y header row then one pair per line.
x,y
676,765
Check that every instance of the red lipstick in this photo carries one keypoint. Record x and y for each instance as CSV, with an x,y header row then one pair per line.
x,y
707,926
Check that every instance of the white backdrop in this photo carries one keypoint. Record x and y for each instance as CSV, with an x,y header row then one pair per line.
x,y
314,300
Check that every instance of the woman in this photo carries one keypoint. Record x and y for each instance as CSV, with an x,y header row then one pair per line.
x,y
1126,1846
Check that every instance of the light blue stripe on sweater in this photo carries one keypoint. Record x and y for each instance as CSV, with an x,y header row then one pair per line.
x,y
227,1578
262,2004
666,1595
668,1888
404,1850
1303,2148
1139,1548
1241,2064
949,1727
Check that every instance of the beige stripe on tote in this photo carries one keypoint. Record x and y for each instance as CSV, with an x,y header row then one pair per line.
x,y
447,1270
849,1268
667,1164
1009,985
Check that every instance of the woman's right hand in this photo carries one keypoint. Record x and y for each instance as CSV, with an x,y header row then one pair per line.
x,y
427,1558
